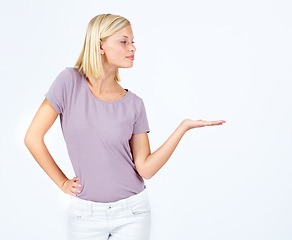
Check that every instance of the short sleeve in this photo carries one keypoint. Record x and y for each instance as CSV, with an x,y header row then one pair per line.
x,y
141,123
56,94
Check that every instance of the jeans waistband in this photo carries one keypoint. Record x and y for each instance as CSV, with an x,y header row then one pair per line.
x,y
120,204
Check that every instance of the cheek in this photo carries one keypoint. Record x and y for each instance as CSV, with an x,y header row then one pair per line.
x,y
117,53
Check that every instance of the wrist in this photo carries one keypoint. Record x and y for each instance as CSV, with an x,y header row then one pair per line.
x,y
184,125
64,182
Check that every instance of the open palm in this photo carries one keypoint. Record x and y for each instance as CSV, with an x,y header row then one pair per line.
x,y
189,123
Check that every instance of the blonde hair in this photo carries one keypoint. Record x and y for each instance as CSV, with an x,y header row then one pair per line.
x,y
99,27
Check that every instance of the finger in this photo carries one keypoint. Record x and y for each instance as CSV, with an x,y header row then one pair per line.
x,y
75,190
212,123
72,194
75,184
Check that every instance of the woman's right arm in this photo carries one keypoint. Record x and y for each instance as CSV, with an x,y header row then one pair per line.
x,y
34,141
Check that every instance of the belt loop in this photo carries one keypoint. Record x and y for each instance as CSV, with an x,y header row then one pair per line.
x,y
90,207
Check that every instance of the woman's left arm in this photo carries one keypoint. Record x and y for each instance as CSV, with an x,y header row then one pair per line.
x,y
149,164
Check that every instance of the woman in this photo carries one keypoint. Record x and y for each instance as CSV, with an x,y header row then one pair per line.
x,y
105,128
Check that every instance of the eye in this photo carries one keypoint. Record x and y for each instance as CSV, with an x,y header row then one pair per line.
x,y
125,42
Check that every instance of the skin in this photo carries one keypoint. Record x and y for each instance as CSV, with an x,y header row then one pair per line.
x,y
114,50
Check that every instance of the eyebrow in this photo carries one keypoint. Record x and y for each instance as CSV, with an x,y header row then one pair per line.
x,y
126,36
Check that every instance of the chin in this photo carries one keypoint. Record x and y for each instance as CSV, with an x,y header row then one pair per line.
x,y
127,66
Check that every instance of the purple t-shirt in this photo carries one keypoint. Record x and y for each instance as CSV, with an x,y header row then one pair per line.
x,y
97,135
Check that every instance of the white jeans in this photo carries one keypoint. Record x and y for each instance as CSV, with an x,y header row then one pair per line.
x,y
126,219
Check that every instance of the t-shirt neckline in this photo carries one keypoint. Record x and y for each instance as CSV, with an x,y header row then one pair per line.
x,y
99,100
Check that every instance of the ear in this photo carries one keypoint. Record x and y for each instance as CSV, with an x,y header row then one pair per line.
x,y
101,47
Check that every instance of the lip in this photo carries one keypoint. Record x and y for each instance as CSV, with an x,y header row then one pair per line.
x,y
131,57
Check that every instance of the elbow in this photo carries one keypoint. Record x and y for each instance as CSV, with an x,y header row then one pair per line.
x,y
146,175
29,139
142,170
26,140
143,173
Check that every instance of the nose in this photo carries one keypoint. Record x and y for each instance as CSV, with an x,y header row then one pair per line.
x,y
132,48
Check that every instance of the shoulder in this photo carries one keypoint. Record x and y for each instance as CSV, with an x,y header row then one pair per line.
x,y
137,102
136,98
68,77
71,72
64,76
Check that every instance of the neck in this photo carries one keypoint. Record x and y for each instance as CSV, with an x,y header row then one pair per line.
x,y
106,83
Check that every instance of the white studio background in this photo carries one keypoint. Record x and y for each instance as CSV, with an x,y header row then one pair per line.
x,y
210,60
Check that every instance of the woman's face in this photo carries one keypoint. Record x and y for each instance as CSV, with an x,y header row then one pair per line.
x,y
117,48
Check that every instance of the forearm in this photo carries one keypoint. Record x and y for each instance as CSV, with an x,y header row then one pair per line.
x,y
157,159
41,154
